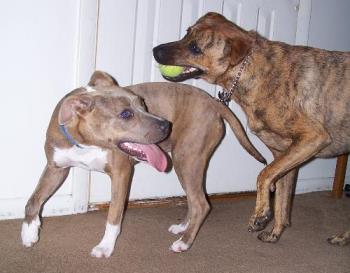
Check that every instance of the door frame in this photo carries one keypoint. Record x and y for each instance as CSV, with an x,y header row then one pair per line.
x,y
85,65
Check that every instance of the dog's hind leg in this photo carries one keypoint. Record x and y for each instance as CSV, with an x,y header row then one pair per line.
x,y
282,208
190,159
120,173
181,227
191,172
341,240
51,178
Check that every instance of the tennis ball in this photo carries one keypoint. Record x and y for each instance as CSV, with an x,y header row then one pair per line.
x,y
170,70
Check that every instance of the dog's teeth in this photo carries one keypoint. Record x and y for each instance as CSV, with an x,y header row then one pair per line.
x,y
189,70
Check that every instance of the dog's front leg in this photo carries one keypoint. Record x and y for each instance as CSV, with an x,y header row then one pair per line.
x,y
120,179
51,178
282,208
304,147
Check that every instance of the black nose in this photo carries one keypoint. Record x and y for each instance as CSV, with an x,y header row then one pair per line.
x,y
164,53
164,126
159,53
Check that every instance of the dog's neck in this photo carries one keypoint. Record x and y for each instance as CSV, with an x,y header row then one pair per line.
x,y
238,79
229,88
69,137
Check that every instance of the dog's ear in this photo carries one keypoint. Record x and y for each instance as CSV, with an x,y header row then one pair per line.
x,y
73,106
102,79
239,49
236,37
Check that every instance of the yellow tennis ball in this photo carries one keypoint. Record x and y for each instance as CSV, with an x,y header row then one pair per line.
x,y
170,70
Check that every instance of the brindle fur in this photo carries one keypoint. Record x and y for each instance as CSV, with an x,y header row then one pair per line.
x,y
197,128
296,98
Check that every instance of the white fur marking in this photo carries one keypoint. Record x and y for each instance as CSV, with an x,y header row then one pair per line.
x,y
90,89
30,232
90,157
179,246
176,229
106,246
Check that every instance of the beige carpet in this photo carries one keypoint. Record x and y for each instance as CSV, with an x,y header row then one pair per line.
x,y
223,244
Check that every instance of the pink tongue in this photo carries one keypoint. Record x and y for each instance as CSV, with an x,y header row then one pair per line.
x,y
155,156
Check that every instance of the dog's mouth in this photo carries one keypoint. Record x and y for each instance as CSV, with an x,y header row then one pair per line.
x,y
149,153
189,72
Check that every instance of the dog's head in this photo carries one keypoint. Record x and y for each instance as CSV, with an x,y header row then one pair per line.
x,y
106,115
210,47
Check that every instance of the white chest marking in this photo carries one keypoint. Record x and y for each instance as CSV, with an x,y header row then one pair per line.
x,y
89,157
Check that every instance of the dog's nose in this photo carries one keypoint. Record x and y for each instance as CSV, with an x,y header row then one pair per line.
x,y
164,126
164,53
158,53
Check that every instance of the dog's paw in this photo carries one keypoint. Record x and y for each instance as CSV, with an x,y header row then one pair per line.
x,y
340,240
177,229
30,232
179,246
258,223
106,246
268,237
100,251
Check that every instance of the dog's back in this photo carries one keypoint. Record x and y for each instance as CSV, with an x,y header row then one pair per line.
x,y
317,82
190,106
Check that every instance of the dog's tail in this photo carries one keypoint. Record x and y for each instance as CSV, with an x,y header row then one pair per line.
x,y
238,130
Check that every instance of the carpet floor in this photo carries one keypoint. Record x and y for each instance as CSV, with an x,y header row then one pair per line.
x,y
223,244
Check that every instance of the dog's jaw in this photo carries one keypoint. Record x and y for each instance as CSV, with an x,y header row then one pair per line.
x,y
189,72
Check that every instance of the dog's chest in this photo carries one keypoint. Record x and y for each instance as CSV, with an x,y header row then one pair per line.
x,y
89,157
257,123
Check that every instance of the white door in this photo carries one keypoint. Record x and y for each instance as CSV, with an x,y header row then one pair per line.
x,y
127,32
47,49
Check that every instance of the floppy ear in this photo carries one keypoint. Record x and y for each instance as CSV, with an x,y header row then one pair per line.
x,y
239,49
102,79
236,37
73,106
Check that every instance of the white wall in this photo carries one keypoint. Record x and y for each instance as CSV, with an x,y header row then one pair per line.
x,y
329,25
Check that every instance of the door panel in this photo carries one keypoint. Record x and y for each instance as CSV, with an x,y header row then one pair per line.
x,y
41,55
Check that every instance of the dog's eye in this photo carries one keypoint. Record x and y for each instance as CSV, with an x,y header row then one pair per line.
x,y
194,48
126,114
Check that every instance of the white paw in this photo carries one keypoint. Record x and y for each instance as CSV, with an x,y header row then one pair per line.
x,y
106,246
179,246
30,232
102,251
176,229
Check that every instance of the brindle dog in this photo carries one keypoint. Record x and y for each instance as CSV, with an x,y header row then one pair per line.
x,y
296,98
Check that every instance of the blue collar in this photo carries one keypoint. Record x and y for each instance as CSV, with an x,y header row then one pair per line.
x,y
69,137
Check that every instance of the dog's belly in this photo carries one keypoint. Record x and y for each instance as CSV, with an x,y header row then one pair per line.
x,y
89,157
274,141
333,150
